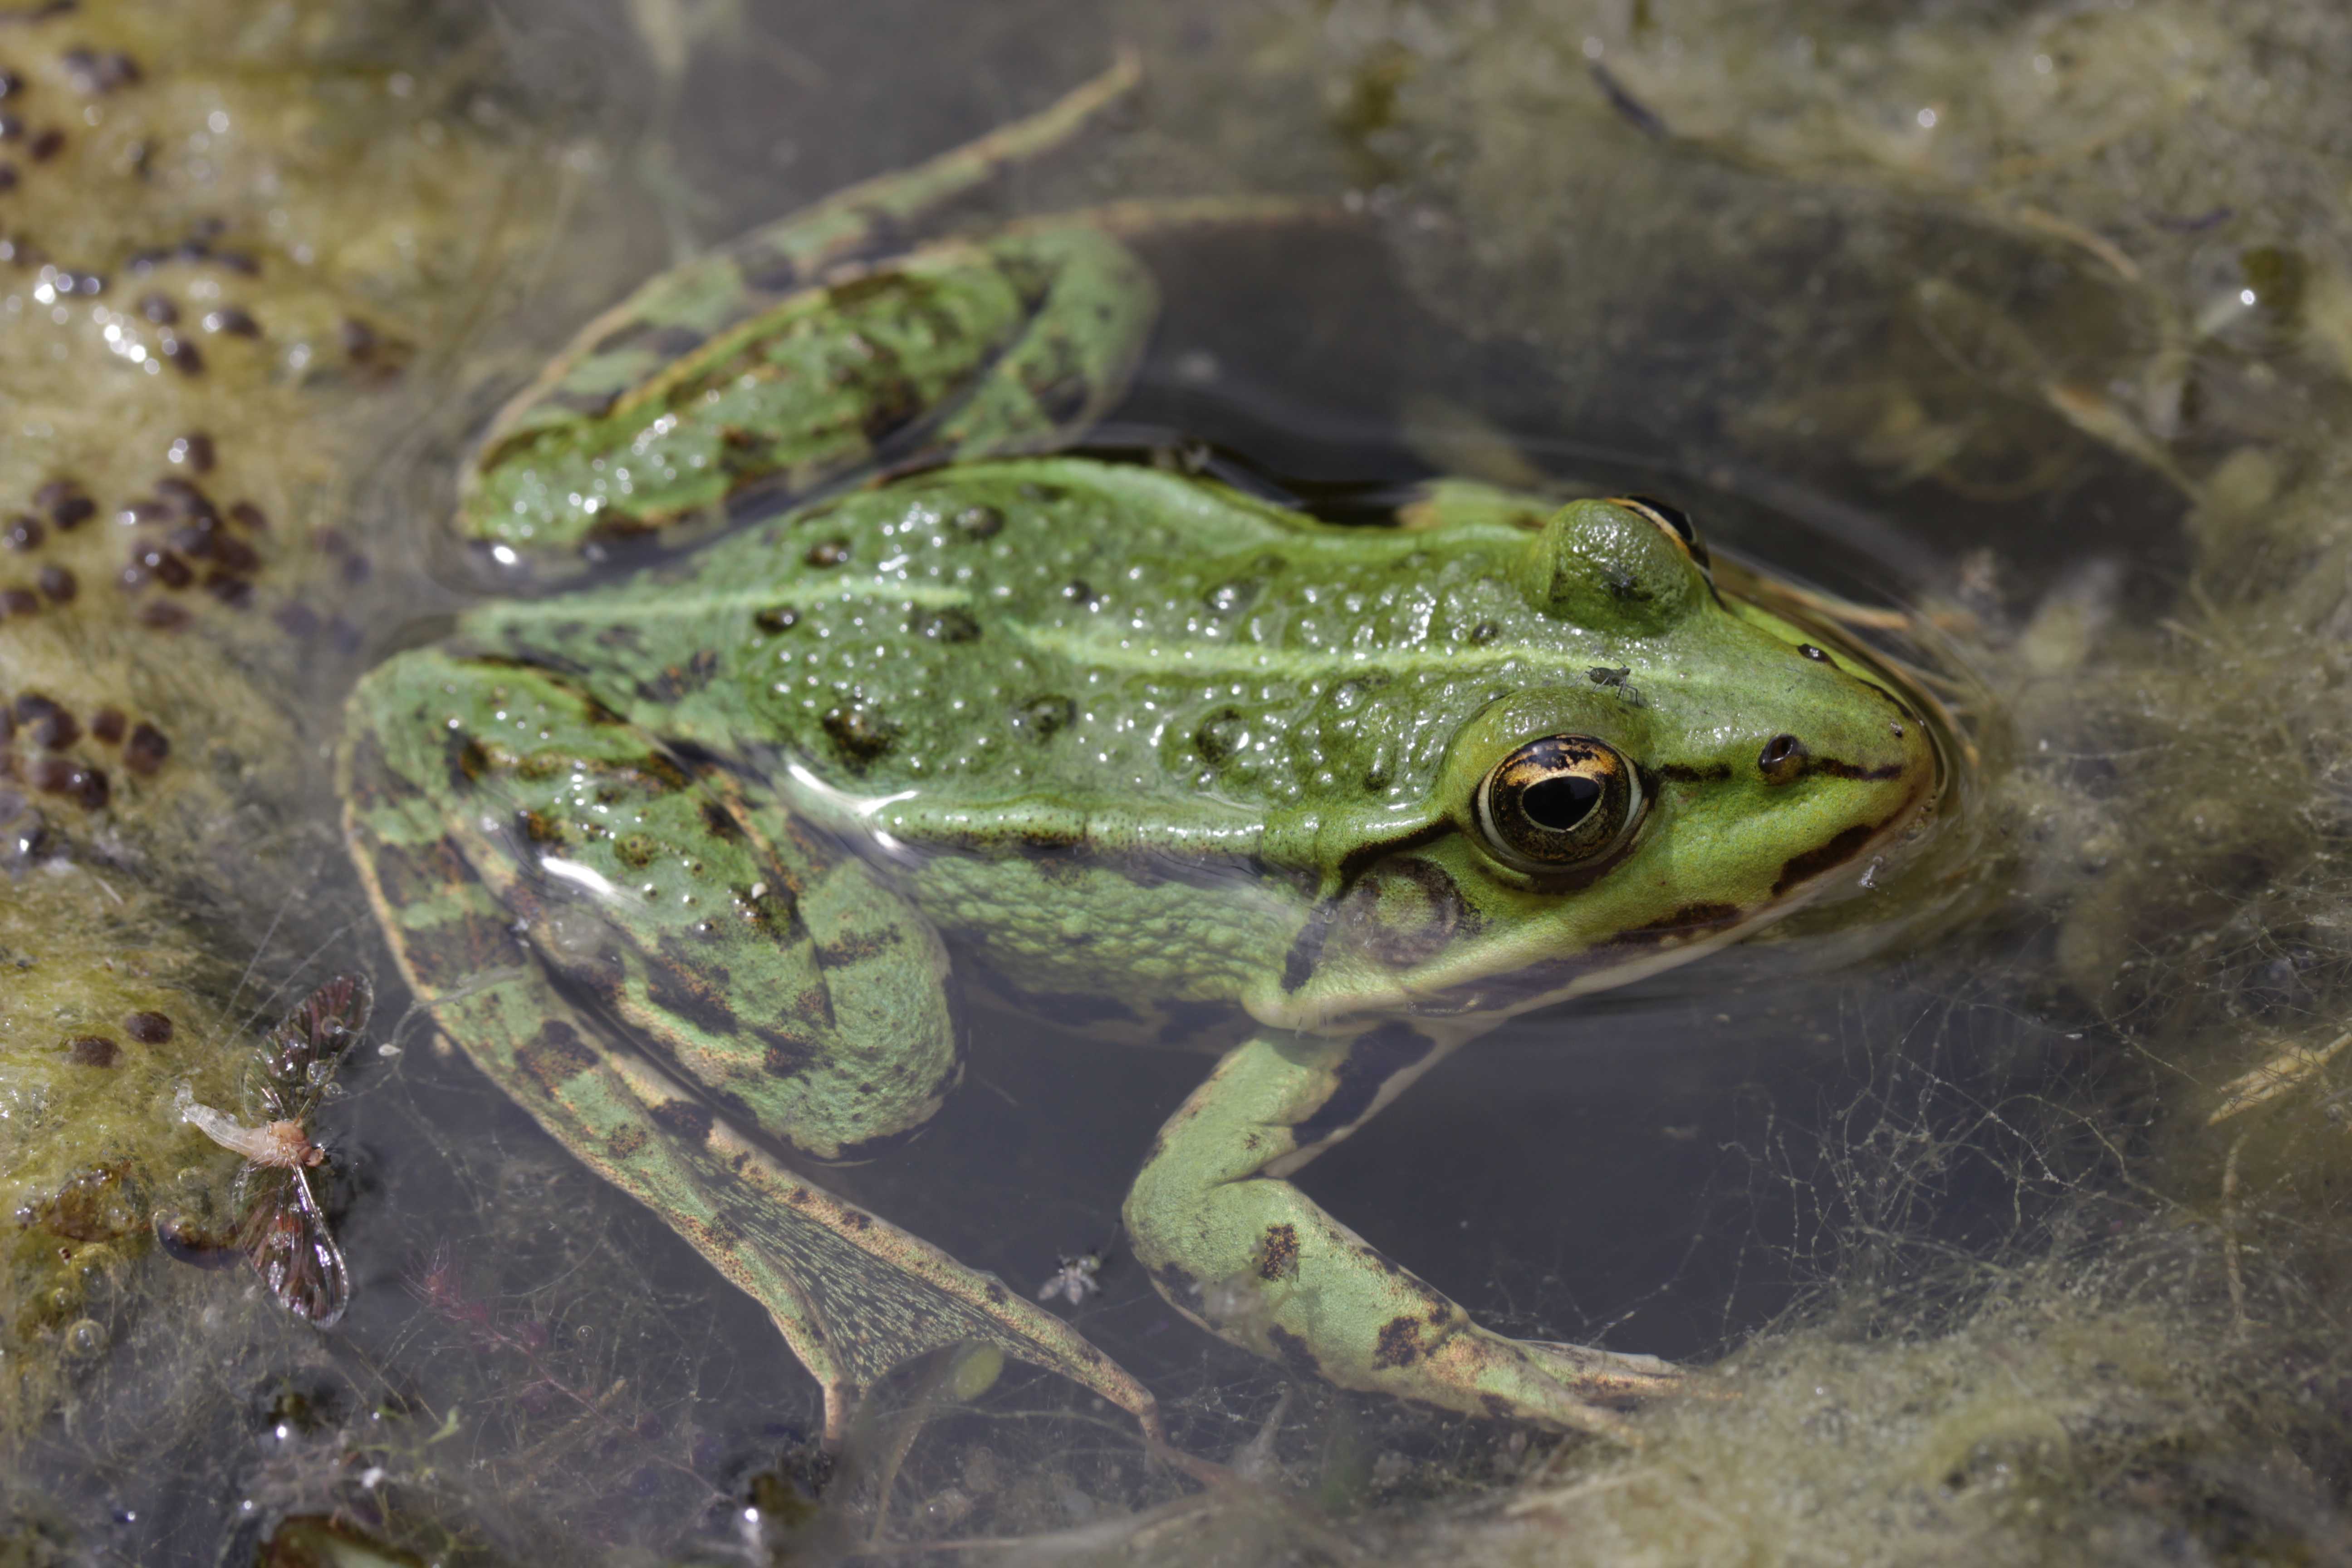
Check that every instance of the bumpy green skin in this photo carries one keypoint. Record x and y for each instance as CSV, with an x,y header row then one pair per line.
x,y
681,862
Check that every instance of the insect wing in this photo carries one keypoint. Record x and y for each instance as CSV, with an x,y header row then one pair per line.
x,y
299,1053
286,1238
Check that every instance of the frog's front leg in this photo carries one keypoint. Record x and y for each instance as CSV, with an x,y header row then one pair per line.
x,y
1236,1247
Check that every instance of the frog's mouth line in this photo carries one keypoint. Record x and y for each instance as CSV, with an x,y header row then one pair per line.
x,y
1481,1003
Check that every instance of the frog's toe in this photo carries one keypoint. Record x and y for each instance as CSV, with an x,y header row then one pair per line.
x,y
1606,1378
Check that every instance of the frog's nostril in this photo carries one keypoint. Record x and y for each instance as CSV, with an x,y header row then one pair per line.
x,y
1782,760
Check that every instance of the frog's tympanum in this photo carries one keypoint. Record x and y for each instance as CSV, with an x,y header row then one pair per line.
x,y
698,864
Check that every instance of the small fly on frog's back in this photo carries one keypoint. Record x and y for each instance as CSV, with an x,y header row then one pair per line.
x,y
281,1227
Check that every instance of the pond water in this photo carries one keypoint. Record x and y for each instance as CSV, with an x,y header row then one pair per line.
x,y
2026,329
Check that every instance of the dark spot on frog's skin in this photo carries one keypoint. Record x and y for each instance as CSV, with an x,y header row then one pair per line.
x,y
467,759
620,636
1809,651
857,1220
1221,735
554,1056
786,1056
538,828
860,734
892,403
1306,950
1802,867
1047,716
696,995
1080,592
776,618
636,850
1693,772
1277,1252
1294,1352
451,952
92,1051
411,877
827,552
856,947
658,770
978,522
686,1120
814,1006
1837,769
943,625
1497,1407
719,822
995,1294
1372,1059
626,1143
1399,1343
679,681
1691,920
147,1028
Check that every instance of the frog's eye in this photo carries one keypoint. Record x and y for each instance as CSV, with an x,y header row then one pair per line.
x,y
1559,802
1671,520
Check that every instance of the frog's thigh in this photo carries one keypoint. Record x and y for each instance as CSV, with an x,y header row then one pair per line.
x,y
1239,1250
775,974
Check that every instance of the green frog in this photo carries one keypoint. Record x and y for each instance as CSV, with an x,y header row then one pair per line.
x,y
699,863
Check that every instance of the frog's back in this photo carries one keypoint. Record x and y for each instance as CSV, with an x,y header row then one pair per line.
x,y
1051,631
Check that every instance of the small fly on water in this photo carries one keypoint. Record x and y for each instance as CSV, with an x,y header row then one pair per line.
x,y
280,1226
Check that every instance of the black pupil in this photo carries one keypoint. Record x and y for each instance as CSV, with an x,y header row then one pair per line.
x,y
1676,519
1560,802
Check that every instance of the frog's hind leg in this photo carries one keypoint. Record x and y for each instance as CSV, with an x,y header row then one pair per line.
x,y
752,274
551,877
853,1294
1239,1250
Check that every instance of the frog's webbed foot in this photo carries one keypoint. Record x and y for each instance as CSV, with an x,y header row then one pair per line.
x,y
1239,1250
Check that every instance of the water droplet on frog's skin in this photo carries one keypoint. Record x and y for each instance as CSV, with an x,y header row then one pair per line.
x,y
573,932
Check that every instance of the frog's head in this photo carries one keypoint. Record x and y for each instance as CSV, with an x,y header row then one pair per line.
x,y
1711,769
